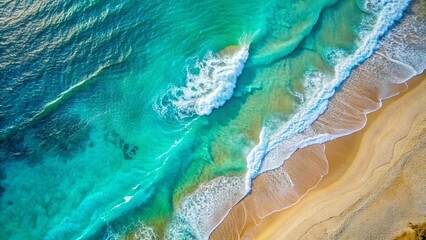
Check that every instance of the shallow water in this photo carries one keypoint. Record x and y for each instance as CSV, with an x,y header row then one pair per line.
x,y
112,114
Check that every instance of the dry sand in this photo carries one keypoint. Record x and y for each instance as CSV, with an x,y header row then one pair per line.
x,y
376,185
373,190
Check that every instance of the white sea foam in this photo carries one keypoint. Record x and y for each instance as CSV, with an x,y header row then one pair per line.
x,y
206,208
403,51
320,88
209,84
140,232
144,232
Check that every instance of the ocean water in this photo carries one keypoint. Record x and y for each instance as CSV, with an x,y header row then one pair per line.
x,y
150,119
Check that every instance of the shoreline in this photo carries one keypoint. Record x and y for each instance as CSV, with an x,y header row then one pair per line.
x,y
351,143
343,165
306,166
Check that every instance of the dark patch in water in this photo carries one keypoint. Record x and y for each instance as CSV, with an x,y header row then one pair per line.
x,y
2,177
129,151
2,191
60,134
63,135
13,148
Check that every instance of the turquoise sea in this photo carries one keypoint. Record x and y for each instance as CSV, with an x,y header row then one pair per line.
x,y
112,113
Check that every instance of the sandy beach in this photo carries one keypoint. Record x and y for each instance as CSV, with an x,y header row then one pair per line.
x,y
373,191
374,186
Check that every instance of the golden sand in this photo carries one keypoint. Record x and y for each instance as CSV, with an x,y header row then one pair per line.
x,y
374,188
372,192
417,232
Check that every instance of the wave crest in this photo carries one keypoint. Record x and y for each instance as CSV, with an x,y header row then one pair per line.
x,y
209,84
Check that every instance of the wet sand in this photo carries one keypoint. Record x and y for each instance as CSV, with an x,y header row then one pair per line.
x,y
363,166
375,186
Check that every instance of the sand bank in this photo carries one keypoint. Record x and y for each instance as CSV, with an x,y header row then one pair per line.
x,y
375,186
363,166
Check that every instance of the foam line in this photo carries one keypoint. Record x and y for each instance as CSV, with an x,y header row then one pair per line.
x,y
208,85
320,91
299,131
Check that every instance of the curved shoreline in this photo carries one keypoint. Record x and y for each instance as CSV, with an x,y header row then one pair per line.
x,y
320,130
341,195
379,78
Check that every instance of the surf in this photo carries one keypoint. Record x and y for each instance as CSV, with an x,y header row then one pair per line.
x,y
209,83
318,94
276,144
